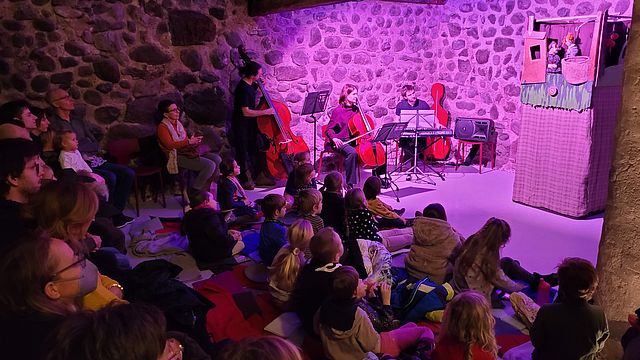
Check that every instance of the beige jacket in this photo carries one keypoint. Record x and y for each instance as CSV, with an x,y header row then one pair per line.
x,y
474,279
434,242
350,344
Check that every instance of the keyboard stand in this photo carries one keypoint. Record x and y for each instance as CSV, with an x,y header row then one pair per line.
x,y
415,169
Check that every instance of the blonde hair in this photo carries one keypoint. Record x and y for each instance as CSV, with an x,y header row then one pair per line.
x,y
285,269
307,200
468,320
346,90
264,347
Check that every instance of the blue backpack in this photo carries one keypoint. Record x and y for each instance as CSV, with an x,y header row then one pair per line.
x,y
419,301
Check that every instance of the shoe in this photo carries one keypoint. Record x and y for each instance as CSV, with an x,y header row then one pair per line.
x,y
418,213
122,220
400,212
248,185
496,301
263,181
551,279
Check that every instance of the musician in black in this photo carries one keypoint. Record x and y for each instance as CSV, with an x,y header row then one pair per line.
x,y
411,102
244,127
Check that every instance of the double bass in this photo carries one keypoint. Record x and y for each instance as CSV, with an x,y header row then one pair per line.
x,y
283,143
438,148
361,126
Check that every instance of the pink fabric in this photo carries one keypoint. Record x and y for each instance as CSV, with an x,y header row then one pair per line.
x,y
395,341
564,156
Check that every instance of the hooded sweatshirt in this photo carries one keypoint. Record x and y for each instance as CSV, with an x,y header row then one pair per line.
x,y
434,242
345,330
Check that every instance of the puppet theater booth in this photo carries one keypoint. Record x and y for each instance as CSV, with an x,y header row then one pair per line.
x,y
569,114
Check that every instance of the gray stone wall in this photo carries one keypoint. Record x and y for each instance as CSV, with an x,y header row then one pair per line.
x,y
119,58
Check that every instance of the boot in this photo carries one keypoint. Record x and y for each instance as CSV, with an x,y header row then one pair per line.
x,y
263,181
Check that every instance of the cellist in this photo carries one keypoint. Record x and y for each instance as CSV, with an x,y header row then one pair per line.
x,y
338,133
245,128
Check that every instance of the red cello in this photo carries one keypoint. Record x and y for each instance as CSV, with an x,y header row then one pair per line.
x,y
361,126
438,148
277,131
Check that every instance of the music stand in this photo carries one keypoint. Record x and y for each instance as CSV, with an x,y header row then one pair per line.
x,y
421,120
314,103
390,132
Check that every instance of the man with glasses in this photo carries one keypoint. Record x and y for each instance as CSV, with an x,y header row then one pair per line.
x,y
21,175
119,178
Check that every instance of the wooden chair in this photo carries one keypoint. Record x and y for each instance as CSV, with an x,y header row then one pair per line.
x,y
123,151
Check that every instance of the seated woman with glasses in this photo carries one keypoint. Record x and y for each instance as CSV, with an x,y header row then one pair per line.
x,y
42,280
184,151
66,209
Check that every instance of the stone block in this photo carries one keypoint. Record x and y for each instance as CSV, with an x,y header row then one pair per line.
x,y
67,61
46,63
191,28
92,97
290,73
107,70
107,114
45,25
207,106
12,25
75,48
40,84
181,79
273,57
219,58
191,59
104,88
149,54
62,78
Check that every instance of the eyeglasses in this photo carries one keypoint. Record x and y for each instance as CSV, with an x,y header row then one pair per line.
x,y
82,261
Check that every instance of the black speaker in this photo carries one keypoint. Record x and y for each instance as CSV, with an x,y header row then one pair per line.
x,y
471,129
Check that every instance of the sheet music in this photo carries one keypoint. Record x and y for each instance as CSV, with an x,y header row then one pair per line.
x,y
421,119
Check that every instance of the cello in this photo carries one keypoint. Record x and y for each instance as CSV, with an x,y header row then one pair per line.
x,y
361,126
283,143
438,148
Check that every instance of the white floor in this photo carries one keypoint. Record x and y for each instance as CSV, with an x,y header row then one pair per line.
x,y
540,239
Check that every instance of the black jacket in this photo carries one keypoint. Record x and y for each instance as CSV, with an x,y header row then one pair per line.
x,y
207,234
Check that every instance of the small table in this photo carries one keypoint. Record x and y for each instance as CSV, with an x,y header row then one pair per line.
x,y
492,149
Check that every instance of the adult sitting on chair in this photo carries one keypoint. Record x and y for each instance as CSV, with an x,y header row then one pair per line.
x,y
411,102
119,178
182,150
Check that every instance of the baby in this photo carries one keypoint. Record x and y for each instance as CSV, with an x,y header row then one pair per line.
x,y
70,158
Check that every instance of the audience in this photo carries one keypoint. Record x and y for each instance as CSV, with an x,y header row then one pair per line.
x,y
467,330
310,206
20,170
41,126
333,212
435,244
263,348
210,239
273,231
360,221
184,151
298,180
15,116
232,196
41,280
288,262
66,143
346,331
314,282
119,178
386,216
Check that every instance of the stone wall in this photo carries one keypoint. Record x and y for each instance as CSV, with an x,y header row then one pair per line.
x,y
120,58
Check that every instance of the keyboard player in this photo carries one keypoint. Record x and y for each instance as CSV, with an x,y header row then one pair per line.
x,y
411,102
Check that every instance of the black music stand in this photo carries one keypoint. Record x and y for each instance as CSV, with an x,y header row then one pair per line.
x,y
314,103
389,132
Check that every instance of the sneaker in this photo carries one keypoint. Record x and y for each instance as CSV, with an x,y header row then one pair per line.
x,y
400,212
122,220
525,308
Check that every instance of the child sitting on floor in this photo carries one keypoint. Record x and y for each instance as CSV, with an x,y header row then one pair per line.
x,y
346,331
70,157
435,244
288,262
333,212
386,216
309,206
314,282
360,221
467,330
209,238
272,232
303,178
231,195
291,188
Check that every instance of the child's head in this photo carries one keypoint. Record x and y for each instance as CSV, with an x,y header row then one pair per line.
x,y
309,202
284,271
486,242
200,199
435,211
468,319
300,234
301,158
229,167
66,141
354,199
303,175
347,284
326,246
333,182
264,347
273,206
577,279
371,187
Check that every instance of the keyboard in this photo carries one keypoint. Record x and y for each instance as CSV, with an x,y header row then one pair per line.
x,y
410,132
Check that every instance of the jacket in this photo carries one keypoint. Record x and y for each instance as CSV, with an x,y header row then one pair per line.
x,y
434,242
354,343
379,208
207,233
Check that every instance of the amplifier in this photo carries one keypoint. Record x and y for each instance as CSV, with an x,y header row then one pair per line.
x,y
471,129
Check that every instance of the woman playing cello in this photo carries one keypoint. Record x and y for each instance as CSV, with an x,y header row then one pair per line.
x,y
339,134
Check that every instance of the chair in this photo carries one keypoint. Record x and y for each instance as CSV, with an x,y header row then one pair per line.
x,y
328,150
123,151
492,149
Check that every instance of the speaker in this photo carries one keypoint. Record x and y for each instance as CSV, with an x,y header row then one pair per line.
x,y
471,129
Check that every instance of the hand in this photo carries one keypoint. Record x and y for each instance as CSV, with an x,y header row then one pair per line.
x,y
338,143
385,293
173,350
269,111
116,291
248,202
235,234
97,240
